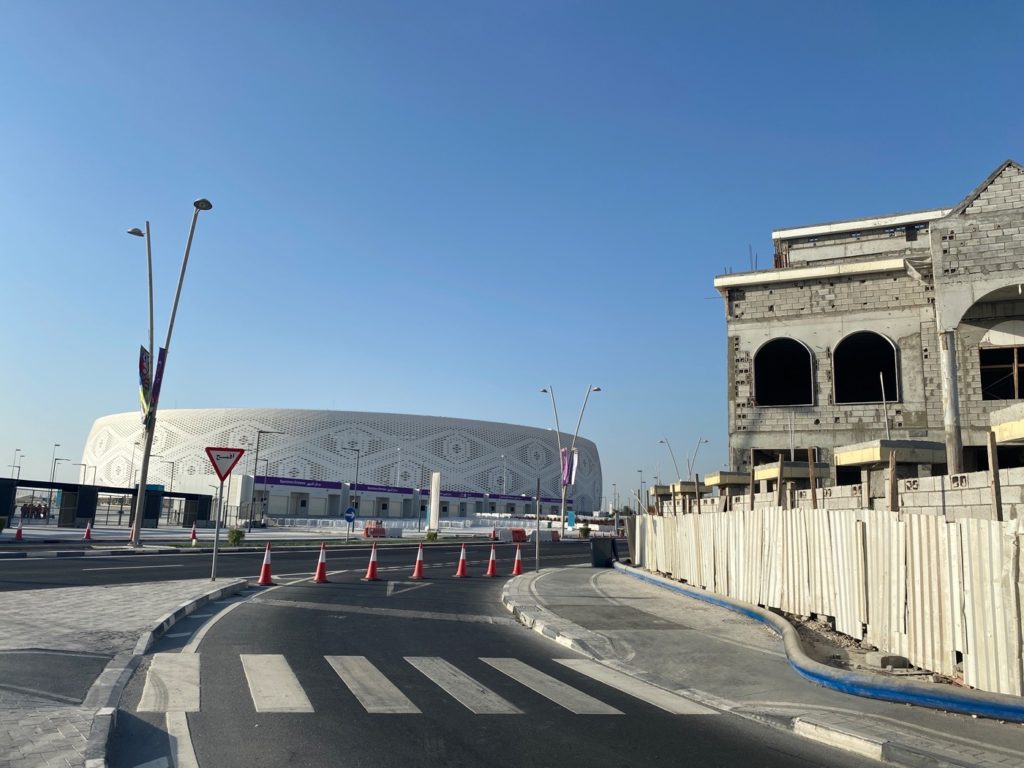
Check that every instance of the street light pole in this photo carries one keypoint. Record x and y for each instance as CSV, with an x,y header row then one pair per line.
x,y
16,452
53,464
53,474
256,468
150,424
81,473
550,390
679,478
692,459
565,469
641,496
572,449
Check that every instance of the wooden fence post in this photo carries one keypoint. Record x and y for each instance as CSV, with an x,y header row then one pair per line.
x,y
780,487
752,480
812,478
891,484
993,476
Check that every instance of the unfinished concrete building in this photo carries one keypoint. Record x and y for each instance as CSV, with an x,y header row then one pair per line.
x,y
909,326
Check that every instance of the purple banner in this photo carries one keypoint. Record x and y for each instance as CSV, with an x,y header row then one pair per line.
x,y
161,363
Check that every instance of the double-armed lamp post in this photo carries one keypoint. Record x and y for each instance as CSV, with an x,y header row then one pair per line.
x,y
151,382
566,460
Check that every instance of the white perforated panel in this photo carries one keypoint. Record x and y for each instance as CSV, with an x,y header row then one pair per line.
x,y
467,453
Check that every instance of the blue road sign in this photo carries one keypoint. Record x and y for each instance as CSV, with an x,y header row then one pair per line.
x,y
350,514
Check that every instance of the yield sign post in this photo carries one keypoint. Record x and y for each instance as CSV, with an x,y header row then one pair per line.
x,y
223,460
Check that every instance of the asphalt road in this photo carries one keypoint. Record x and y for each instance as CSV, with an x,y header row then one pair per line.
x,y
375,674
289,562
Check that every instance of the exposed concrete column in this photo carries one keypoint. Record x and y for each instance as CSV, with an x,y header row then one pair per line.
x,y
951,403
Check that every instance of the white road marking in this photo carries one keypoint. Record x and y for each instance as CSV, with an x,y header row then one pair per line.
x,y
183,755
398,587
375,692
134,567
195,641
160,762
179,634
172,684
272,684
463,688
659,697
562,694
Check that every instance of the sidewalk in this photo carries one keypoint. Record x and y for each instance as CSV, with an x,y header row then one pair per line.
x,y
735,664
98,632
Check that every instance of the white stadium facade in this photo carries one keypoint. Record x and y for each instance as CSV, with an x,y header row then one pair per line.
x,y
308,460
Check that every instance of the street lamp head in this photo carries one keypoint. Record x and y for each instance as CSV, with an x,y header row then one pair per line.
x,y
595,389
544,390
202,204
136,232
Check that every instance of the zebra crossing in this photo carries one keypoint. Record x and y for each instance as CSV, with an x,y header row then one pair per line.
x,y
173,685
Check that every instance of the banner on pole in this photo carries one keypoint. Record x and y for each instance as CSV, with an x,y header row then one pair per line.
x,y
145,380
569,462
158,379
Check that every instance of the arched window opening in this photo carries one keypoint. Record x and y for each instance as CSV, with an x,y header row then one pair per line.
x,y
783,373
857,362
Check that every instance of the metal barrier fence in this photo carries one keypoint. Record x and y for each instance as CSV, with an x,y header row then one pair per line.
x,y
945,594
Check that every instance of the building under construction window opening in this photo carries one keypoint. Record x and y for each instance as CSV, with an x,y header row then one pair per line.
x,y
857,362
783,373
1001,372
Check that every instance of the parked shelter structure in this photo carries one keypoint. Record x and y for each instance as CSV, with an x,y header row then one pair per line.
x,y
908,326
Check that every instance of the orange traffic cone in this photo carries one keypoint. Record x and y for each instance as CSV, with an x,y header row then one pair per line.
x,y
460,572
492,564
320,577
265,580
517,567
88,532
417,570
494,534
195,540
17,533
371,569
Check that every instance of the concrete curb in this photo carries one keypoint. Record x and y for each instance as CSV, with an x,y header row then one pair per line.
x,y
968,702
105,693
533,616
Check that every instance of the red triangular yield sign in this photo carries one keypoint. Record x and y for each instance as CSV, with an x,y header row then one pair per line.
x,y
224,460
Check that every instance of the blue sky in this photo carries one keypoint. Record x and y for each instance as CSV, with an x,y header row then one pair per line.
x,y
439,208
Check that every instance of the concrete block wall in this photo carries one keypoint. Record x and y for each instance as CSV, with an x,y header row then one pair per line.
x,y
954,497
825,296
892,304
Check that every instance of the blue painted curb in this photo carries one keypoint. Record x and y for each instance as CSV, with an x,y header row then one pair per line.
x,y
998,706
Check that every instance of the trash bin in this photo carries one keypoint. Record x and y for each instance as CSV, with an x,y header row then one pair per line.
x,y
602,553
